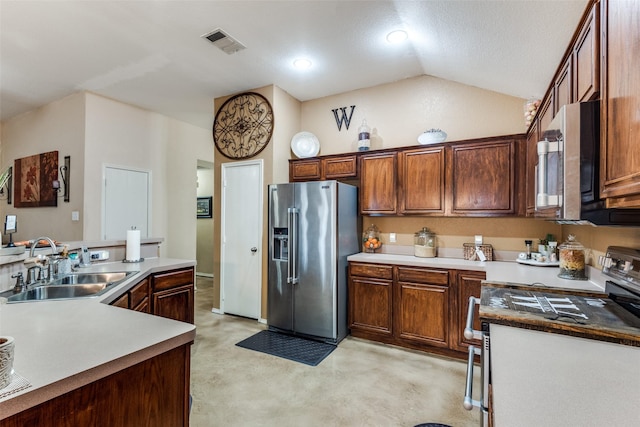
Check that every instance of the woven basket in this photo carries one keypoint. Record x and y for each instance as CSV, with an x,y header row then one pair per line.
x,y
470,251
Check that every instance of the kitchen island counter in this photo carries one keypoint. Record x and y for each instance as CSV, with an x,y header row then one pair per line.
x,y
66,344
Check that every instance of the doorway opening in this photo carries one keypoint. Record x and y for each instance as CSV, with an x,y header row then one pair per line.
x,y
204,224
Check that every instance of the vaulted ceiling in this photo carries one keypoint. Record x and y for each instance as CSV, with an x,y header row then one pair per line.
x,y
151,53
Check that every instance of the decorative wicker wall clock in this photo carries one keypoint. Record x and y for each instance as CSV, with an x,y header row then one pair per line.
x,y
243,126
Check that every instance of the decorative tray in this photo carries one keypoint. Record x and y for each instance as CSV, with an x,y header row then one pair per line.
x,y
539,263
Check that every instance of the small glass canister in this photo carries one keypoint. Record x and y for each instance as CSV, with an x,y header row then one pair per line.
x,y
371,239
424,244
572,258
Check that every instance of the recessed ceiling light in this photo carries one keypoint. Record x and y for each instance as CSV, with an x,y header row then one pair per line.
x,y
302,63
397,36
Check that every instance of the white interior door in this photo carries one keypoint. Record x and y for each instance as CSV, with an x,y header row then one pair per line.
x,y
241,238
126,202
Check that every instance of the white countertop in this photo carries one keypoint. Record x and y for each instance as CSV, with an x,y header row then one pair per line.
x,y
496,271
65,344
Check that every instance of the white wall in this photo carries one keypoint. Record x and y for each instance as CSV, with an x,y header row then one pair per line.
x,y
97,131
398,112
58,126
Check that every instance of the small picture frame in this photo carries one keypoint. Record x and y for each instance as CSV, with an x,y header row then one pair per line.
x,y
204,207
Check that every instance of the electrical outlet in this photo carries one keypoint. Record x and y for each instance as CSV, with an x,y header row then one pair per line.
x,y
392,237
75,216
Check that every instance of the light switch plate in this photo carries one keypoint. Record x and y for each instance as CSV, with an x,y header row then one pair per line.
x,y
392,237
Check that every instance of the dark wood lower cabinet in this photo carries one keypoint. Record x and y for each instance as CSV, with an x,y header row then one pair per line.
x,y
414,307
154,392
422,306
468,284
168,294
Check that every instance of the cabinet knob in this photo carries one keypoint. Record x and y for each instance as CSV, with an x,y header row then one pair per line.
x,y
254,249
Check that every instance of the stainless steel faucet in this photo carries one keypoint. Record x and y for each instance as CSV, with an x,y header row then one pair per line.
x,y
50,262
54,249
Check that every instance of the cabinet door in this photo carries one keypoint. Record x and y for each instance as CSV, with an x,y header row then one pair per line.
x,y
586,59
139,295
620,162
370,305
305,170
422,306
176,304
340,167
483,178
172,295
378,183
122,301
421,180
468,284
423,313
546,113
563,86
532,161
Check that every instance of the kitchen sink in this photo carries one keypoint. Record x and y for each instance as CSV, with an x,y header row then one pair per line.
x,y
91,278
74,285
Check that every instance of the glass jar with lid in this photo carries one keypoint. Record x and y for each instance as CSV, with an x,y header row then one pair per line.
x,y
424,243
371,239
572,259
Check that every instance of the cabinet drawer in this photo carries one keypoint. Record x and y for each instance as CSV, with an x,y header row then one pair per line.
x,y
139,292
172,279
375,271
422,275
340,167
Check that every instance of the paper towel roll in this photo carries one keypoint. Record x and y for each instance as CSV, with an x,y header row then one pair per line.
x,y
133,245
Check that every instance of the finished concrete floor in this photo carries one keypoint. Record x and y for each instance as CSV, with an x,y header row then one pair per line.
x,y
361,383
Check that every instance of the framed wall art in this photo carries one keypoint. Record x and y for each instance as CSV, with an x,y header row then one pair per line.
x,y
204,207
33,178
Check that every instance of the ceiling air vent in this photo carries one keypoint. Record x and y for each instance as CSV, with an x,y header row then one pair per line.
x,y
224,41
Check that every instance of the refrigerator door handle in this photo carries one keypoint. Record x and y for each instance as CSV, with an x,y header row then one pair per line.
x,y
292,265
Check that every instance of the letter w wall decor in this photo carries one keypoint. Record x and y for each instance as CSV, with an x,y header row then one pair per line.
x,y
342,117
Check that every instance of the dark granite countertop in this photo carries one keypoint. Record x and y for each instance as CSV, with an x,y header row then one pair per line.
x,y
584,314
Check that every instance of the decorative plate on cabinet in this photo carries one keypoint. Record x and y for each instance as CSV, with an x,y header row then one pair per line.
x,y
243,126
305,144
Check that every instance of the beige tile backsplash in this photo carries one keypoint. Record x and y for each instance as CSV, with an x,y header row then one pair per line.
x,y
504,234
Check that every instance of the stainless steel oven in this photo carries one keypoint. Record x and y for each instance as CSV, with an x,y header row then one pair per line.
x,y
484,351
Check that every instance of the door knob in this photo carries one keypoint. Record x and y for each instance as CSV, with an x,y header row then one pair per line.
x,y
254,249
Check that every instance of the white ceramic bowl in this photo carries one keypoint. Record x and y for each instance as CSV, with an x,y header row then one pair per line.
x,y
305,144
432,137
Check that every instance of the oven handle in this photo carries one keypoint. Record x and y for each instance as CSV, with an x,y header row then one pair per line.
x,y
469,332
468,403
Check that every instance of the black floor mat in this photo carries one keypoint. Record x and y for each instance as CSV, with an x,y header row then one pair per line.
x,y
288,347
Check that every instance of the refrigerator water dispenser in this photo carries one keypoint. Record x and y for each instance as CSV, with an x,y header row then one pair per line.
x,y
280,244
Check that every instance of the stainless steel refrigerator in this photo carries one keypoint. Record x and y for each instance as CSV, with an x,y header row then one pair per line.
x,y
313,227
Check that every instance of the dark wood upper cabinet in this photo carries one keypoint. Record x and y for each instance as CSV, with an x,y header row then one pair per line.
x,y
586,58
563,86
340,167
305,170
378,183
421,181
532,160
483,178
620,130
